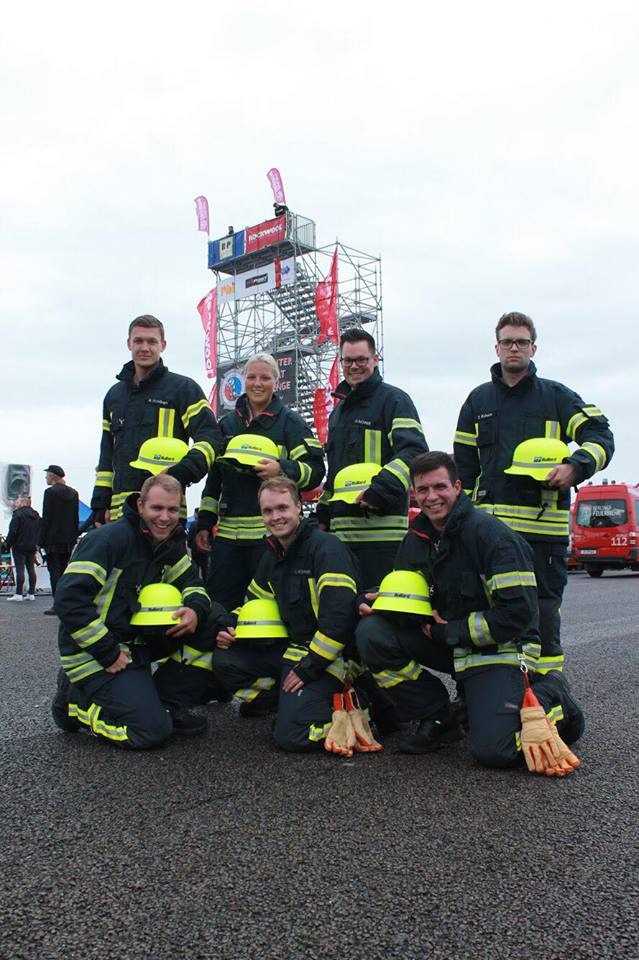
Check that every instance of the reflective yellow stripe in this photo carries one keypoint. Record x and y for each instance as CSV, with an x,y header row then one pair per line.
x,y
325,646
207,451
106,425
338,668
79,666
166,422
305,475
390,678
241,528
597,453
312,442
318,731
553,430
479,630
314,595
373,446
399,469
545,663
91,719
259,592
514,578
87,567
210,504
105,596
194,591
551,522
193,657
171,574
467,439
104,478
336,580
505,655
193,410
87,636
259,685
405,423
298,451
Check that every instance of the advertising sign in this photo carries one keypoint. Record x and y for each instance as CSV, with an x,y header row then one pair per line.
x,y
264,234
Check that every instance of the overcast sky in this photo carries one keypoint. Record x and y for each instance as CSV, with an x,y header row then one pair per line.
x,y
488,152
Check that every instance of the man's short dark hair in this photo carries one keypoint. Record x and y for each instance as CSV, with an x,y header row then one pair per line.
x,y
146,320
281,485
355,335
433,460
515,319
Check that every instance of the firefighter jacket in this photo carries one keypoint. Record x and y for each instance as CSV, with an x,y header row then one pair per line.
x,y
97,594
495,419
313,582
230,496
375,423
482,582
164,404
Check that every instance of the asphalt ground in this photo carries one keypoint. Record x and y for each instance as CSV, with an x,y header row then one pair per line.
x,y
223,847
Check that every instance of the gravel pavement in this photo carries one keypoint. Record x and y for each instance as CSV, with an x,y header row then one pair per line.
x,y
224,847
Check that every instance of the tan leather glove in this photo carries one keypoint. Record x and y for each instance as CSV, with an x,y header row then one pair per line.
x,y
340,738
538,744
365,742
566,761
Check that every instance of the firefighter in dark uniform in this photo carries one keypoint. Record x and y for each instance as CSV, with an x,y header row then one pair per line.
x,y
229,499
149,401
486,615
376,423
311,575
517,405
106,684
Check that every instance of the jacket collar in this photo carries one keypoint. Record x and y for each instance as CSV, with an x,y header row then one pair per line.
x,y
243,410
304,531
423,528
526,382
130,515
365,389
128,372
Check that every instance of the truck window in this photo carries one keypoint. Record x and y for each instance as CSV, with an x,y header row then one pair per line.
x,y
601,513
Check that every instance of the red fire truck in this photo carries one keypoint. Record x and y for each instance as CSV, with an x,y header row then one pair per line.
x,y
605,532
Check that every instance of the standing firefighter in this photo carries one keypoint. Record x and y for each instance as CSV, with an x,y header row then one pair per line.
x,y
483,629
147,402
503,437
263,439
373,434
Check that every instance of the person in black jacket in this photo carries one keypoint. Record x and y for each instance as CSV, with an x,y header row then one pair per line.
x,y
229,500
484,632
59,526
149,401
106,684
311,575
22,540
371,422
517,405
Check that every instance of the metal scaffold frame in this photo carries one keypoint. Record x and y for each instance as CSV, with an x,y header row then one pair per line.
x,y
284,319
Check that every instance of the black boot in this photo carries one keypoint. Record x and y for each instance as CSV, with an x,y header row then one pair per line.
x,y
187,723
433,733
60,706
572,727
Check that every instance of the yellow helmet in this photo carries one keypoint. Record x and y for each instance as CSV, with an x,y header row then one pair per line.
x,y
404,591
246,450
160,453
352,480
537,457
260,620
158,602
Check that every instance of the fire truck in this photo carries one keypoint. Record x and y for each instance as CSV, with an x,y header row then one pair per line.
x,y
605,532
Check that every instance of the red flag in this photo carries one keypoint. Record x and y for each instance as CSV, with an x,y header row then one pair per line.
x,y
323,403
277,186
326,305
202,210
207,308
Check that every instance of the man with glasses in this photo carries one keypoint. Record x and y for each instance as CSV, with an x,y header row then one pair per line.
x,y
517,405
372,422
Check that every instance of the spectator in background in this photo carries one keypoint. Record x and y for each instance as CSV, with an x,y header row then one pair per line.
x,y
59,526
22,540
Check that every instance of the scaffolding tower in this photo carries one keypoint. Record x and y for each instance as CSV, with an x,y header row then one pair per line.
x,y
282,321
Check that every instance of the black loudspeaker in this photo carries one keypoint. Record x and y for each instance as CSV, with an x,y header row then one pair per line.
x,y
17,481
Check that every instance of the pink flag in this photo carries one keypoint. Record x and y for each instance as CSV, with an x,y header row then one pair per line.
x,y
326,305
277,186
207,308
323,403
202,210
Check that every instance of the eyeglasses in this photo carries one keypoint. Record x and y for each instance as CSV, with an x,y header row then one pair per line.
x,y
355,361
521,343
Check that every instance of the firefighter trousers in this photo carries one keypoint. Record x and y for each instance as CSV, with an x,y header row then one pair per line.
x,y
255,674
551,573
232,565
398,657
131,708
374,561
